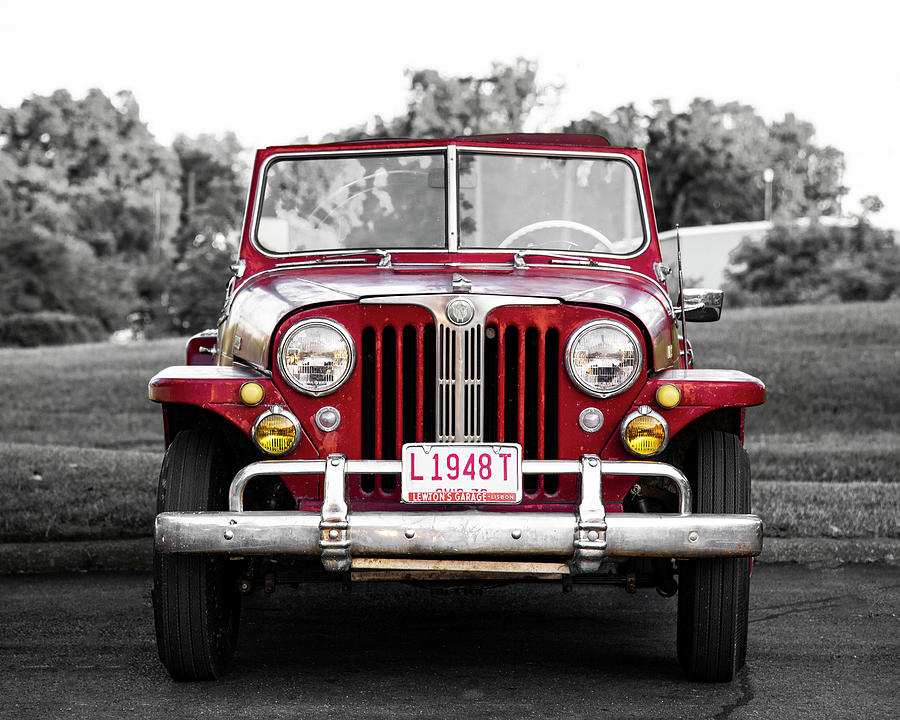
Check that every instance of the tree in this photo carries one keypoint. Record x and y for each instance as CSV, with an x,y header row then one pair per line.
x,y
88,204
707,163
42,272
212,187
89,169
213,191
450,106
815,264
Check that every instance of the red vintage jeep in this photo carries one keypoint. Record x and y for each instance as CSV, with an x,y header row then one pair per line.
x,y
453,362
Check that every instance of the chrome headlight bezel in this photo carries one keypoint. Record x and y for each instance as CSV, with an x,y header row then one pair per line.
x,y
630,336
296,330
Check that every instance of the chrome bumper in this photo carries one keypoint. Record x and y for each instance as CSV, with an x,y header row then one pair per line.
x,y
343,539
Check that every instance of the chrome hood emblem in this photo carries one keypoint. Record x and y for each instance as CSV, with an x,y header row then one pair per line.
x,y
460,311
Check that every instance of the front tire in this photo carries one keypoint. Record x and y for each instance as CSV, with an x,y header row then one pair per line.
x,y
196,604
714,594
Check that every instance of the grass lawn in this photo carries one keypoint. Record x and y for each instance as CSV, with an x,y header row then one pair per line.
x,y
92,395
81,443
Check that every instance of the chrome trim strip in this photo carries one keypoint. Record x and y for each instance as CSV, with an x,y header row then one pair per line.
x,y
449,534
452,197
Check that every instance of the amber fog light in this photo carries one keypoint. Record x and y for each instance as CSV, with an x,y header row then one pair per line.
x,y
668,395
276,431
645,432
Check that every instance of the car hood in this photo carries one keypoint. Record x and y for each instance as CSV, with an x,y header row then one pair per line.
x,y
263,302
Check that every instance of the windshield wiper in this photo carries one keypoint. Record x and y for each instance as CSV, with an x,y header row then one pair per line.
x,y
560,259
345,257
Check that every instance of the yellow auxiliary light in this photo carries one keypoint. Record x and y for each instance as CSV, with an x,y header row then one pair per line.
x,y
276,431
252,393
645,432
668,395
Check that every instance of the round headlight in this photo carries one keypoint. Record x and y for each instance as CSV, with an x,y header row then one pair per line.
x,y
603,357
317,356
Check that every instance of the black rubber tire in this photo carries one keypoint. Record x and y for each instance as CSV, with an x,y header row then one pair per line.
x,y
714,594
196,603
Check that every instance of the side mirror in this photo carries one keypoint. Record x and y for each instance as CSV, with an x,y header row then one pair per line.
x,y
702,304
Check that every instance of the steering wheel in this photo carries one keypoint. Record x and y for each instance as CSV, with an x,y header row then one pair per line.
x,y
322,214
564,224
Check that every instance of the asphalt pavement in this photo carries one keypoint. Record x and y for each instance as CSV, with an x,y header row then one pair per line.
x,y
824,643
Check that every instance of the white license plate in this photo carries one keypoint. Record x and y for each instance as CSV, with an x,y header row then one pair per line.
x,y
462,473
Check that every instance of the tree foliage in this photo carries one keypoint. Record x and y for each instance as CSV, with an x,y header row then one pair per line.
x,y
707,163
99,219
213,189
89,169
40,271
449,106
815,264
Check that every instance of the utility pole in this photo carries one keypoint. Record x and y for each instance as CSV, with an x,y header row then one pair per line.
x,y
768,177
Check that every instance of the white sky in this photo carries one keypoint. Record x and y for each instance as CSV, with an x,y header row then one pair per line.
x,y
273,71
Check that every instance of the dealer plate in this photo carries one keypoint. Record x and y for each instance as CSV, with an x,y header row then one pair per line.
x,y
461,473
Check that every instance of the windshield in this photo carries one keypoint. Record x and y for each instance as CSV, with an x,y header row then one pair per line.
x,y
399,200
548,203
365,201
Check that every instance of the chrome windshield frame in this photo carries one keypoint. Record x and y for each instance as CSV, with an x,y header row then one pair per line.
x,y
450,152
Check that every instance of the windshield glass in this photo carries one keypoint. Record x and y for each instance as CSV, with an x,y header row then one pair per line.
x,y
548,203
365,201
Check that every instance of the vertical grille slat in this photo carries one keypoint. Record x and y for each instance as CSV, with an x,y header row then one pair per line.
x,y
520,387
369,415
511,383
429,383
388,396
551,405
530,418
379,394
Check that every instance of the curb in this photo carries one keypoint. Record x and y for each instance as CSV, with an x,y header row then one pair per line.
x,y
137,554
76,556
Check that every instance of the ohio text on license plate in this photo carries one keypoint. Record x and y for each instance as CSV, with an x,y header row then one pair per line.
x,y
462,473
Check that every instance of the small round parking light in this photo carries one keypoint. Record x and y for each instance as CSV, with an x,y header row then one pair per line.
x,y
668,396
645,432
328,419
276,431
590,420
252,393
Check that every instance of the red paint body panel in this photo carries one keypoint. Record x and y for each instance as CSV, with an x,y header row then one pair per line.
x,y
712,388
201,349
271,297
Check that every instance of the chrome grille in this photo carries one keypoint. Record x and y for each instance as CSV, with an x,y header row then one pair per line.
x,y
460,389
